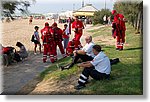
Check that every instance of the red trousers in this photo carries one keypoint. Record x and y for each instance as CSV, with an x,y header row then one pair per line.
x,y
120,40
48,51
77,40
59,44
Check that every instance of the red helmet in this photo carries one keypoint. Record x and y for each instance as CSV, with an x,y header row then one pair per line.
x,y
46,24
54,24
113,12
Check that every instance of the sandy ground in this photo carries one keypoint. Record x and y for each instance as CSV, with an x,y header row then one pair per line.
x,y
22,77
17,75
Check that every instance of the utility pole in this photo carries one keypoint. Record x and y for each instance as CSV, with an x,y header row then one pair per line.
x,y
82,3
105,4
73,7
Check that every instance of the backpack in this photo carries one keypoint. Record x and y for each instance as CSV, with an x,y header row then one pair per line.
x,y
33,38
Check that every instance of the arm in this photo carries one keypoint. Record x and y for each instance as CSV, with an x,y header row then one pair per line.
x,y
85,64
82,52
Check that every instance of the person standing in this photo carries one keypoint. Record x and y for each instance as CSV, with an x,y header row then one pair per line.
x,y
30,20
119,22
77,27
66,36
36,39
48,43
57,34
69,25
99,68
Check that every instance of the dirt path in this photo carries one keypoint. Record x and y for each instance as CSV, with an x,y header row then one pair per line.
x,y
17,75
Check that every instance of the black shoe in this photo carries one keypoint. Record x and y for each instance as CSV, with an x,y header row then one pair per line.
x,y
120,49
117,49
78,87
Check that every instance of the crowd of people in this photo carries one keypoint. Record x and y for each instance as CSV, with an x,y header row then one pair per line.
x,y
95,63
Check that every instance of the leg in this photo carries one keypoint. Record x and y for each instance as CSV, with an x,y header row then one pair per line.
x,y
45,53
40,48
98,76
55,51
35,45
84,58
61,49
83,78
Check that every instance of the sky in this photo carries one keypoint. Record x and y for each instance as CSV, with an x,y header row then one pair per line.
x,y
56,6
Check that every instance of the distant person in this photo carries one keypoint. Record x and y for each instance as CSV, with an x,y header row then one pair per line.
x,y
105,19
36,39
77,27
30,20
69,24
99,68
109,20
22,52
119,23
65,35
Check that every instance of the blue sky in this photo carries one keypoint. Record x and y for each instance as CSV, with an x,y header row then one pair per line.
x,y
46,6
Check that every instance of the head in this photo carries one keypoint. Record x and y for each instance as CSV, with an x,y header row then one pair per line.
x,y
65,26
36,28
96,49
114,12
88,39
76,18
19,44
54,25
46,24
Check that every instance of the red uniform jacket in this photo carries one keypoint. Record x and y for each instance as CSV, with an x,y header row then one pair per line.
x,y
57,33
119,19
47,36
78,24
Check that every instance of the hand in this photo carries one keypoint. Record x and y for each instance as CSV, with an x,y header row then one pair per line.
x,y
79,65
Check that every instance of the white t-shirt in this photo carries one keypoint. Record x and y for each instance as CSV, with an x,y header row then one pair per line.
x,y
88,49
101,63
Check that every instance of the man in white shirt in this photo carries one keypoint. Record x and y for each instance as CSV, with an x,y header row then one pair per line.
x,y
86,54
99,68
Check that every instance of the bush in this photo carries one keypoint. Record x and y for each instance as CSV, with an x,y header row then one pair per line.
x,y
98,16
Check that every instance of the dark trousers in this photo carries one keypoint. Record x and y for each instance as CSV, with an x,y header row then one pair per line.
x,y
84,58
93,73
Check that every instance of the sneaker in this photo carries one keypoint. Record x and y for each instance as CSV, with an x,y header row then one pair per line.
x,y
35,53
78,87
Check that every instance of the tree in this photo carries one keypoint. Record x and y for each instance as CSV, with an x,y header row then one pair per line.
x,y
10,6
98,16
133,12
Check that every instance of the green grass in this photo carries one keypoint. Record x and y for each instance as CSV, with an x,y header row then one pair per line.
x,y
126,76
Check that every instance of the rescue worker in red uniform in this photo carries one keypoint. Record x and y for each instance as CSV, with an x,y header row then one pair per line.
x,y
77,27
57,34
48,43
119,23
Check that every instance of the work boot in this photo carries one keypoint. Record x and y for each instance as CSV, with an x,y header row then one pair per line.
x,y
78,87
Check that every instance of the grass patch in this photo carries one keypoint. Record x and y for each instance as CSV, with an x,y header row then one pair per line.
x,y
126,76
